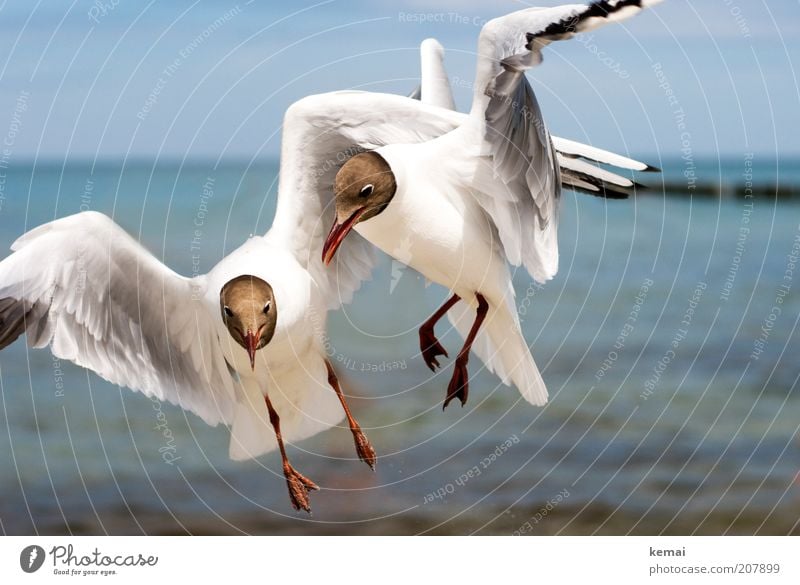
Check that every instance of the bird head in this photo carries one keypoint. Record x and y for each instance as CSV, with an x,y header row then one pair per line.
x,y
363,188
249,313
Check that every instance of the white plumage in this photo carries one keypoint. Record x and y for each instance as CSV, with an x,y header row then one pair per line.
x,y
319,134
83,286
99,299
573,157
487,193
435,86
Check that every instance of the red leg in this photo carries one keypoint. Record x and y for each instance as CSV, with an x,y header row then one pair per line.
x,y
363,447
428,344
459,383
299,485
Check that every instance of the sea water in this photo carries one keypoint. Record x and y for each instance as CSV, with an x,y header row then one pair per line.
x,y
668,341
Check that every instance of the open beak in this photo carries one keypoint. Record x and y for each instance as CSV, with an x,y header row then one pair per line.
x,y
252,346
337,234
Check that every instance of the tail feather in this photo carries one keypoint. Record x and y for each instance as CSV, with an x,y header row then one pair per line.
x,y
304,401
570,148
251,433
578,172
502,348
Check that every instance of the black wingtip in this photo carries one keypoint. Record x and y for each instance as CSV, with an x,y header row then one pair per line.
x,y
609,194
651,169
614,193
13,320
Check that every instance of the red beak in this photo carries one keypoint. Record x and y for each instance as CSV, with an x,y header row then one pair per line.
x,y
337,235
252,347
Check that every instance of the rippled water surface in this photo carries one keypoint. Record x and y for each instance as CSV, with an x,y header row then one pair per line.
x,y
668,341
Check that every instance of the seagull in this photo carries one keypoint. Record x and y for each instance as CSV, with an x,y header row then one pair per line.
x,y
234,346
244,344
480,197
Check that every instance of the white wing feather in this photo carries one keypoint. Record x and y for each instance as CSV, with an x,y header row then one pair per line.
x,y
515,147
576,174
82,285
573,149
320,133
435,86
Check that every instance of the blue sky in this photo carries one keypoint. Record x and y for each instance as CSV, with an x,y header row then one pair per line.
x,y
76,80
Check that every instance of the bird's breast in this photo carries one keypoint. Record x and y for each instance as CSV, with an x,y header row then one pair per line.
x,y
446,241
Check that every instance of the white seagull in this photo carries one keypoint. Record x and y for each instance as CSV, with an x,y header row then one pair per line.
x,y
244,344
234,346
479,197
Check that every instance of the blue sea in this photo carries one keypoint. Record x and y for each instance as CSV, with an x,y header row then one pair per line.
x,y
668,341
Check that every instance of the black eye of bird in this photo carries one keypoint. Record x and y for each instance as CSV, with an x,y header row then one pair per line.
x,y
366,190
266,307
228,312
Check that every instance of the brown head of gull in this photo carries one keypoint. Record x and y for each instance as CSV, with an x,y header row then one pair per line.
x,y
363,188
249,312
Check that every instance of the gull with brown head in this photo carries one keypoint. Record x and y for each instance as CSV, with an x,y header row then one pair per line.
x,y
482,196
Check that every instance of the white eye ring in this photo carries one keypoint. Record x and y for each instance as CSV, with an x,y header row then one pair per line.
x,y
228,311
267,306
366,190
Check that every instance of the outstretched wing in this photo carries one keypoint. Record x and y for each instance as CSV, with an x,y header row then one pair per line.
x,y
84,286
320,133
506,121
576,161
